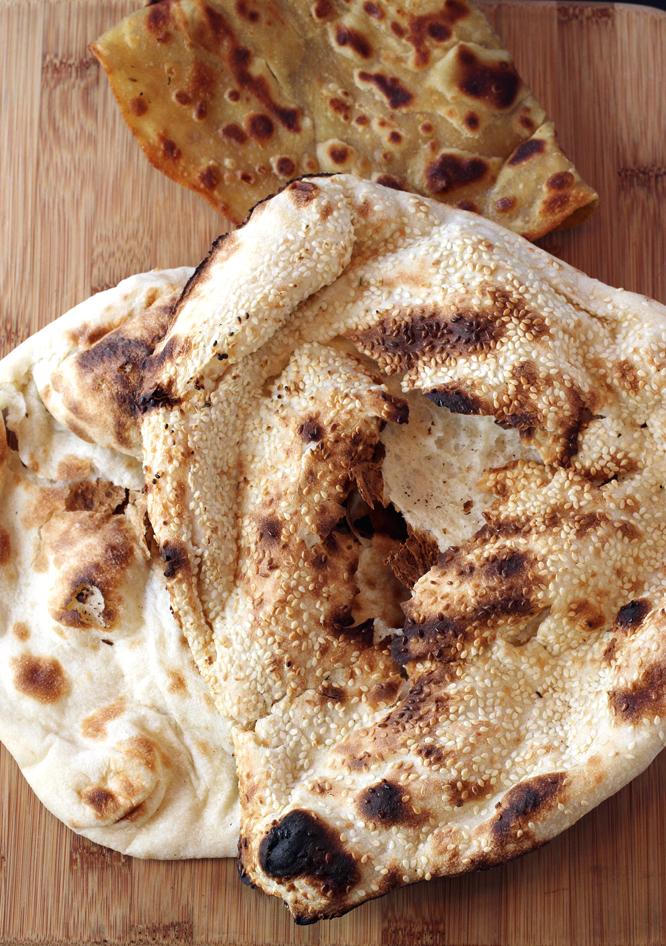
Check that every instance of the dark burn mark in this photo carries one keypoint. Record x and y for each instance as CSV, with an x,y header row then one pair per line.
x,y
209,177
341,624
395,93
243,10
270,530
395,138
458,402
103,802
611,648
310,431
285,167
398,29
41,678
260,127
235,132
157,21
5,546
428,332
218,25
645,697
338,153
435,638
525,151
438,32
373,10
560,181
568,447
588,617
631,615
435,27
158,397
472,121
388,181
334,694
423,703
114,365
497,85
340,107
138,106
555,203
302,845
352,39
382,803
505,204
385,693
183,98
170,149
450,172
174,556
361,120
525,802
396,409
200,110
323,9
302,192
468,205
257,86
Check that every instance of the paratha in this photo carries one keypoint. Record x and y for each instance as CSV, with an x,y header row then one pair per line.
x,y
370,402
102,705
235,99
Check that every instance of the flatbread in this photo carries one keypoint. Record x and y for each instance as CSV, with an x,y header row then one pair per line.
x,y
235,99
102,705
361,376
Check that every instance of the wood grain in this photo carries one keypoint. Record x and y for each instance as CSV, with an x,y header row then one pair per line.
x,y
79,210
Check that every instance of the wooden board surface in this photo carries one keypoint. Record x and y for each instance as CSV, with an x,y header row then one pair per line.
x,y
80,209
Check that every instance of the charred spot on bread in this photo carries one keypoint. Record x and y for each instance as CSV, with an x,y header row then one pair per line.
x,y
631,615
301,844
41,678
175,557
530,800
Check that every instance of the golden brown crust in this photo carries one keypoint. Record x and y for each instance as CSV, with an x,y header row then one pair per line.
x,y
417,97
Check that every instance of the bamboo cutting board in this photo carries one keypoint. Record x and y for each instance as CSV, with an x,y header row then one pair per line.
x,y
80,209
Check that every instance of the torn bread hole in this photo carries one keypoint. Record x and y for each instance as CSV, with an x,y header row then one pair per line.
x,y
530,630
88,601
380,592
356,510
365,521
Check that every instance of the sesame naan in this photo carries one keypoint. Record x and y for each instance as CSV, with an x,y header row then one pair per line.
x,y
369,403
